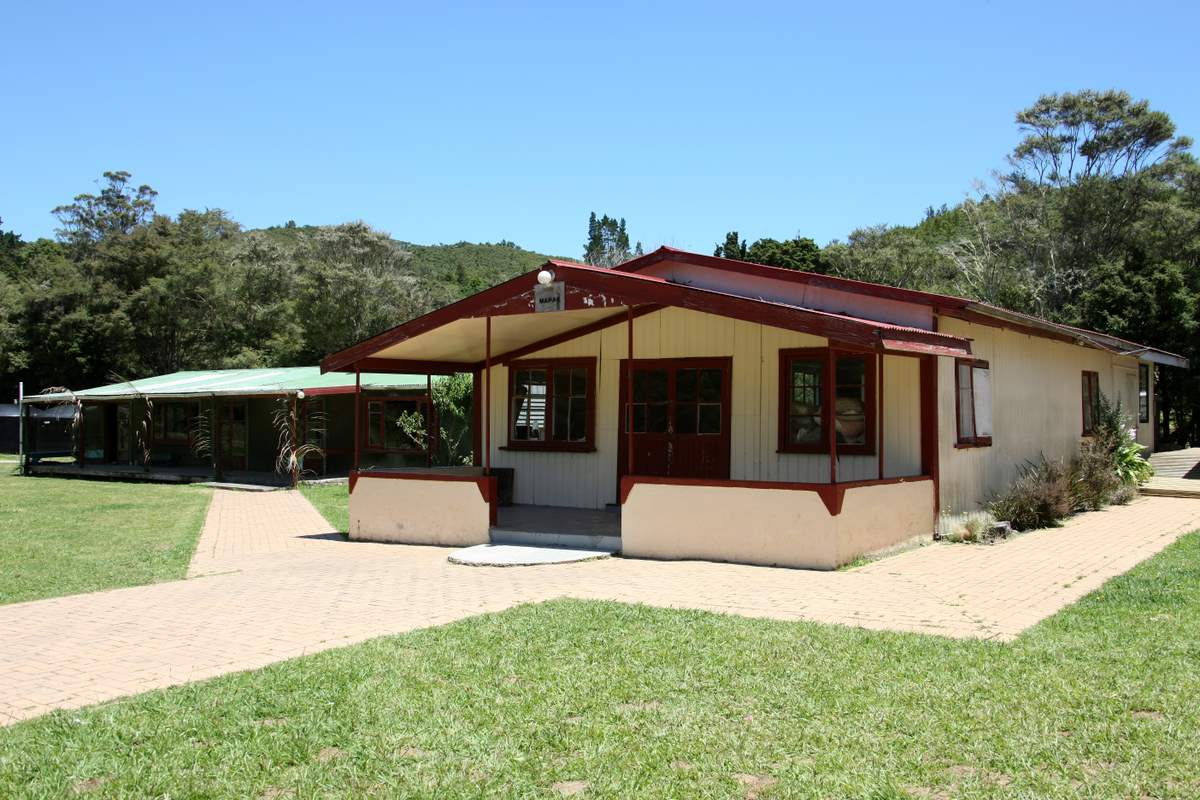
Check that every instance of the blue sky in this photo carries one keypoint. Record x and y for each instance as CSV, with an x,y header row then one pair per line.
x,y
445,122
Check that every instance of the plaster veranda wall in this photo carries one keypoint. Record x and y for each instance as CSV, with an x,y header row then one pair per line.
x,y
775,527
1037,408
589,480
414,511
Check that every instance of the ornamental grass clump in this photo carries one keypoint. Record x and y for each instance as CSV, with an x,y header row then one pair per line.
x,y
1109,470
1040,497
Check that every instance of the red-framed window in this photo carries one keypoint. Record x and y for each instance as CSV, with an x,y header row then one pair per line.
x,y
552,404
172,422
820,388
1091,401
973,402
383,433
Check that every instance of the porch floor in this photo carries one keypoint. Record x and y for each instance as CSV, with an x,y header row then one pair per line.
x,y
1176,474
159,474
589,528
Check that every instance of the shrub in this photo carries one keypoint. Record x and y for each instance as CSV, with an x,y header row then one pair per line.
x,y
1094,479
1124,495
1040,497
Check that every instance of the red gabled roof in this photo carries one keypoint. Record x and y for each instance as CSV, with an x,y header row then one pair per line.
x,y
597,287
948,305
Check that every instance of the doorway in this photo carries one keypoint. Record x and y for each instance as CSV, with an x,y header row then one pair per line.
x,y
232,428
679,415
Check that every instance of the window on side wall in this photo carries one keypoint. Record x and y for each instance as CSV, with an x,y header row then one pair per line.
x,y
973,393
172,422
385,431
819,390
1091,401
1143,392
551,404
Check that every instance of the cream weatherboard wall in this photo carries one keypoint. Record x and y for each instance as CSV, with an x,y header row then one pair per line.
x,y
1037,402
589,480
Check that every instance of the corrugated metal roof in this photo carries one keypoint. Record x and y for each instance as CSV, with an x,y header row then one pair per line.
x,y
238,382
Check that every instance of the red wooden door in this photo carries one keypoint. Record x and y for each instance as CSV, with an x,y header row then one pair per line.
x,y
680,418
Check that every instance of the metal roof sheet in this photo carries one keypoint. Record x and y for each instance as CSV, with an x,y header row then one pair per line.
x,y
236,382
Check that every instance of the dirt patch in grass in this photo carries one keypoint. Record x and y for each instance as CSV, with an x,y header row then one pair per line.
x,y
755,785
90,785
570,788
328,754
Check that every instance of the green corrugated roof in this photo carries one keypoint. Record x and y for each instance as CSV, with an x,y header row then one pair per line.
x,y
235,382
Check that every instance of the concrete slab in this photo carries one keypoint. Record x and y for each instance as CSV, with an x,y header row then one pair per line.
x,y
518,555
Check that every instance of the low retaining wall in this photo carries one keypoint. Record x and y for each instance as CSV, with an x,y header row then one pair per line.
x,y
452,508
775,525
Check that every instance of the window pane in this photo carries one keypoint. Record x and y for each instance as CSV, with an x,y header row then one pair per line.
x,y
710,418
562,382
562,411
1087,404
529,418
806,387
579,381
685,385
981,383
966,403
650,385
710,385
685,418
374,421
851,424
577,431
805,430
851,370
639,418
656,417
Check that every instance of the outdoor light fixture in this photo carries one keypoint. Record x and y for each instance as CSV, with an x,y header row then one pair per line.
x,y
300,395
545,277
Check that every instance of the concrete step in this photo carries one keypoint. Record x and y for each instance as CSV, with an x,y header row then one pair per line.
x,y
578,541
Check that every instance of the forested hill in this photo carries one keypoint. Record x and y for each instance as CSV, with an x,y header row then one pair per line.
x,y
447,271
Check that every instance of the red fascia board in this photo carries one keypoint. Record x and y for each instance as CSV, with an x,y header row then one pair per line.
x,y
635,289
793,276
467,307
949,305
632,289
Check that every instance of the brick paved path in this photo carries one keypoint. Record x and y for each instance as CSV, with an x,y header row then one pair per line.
x,y
276,588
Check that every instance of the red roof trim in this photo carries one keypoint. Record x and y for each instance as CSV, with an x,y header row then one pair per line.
x,y
595,287
950,305
792,276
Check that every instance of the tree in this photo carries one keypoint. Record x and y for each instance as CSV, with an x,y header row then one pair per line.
x,y
800,253
608,243
733,247
891,255
118,209
351,283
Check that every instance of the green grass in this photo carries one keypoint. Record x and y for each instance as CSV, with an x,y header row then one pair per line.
x,y
61,536
332,500
1096,702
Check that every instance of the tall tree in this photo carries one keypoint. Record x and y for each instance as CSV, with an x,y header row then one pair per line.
x,y
118,209
608,242
733,247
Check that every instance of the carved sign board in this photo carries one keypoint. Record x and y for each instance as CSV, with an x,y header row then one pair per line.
x,y
550,298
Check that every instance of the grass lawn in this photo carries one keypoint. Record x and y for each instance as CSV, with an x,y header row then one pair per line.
x,y
61,536
332,500
611,700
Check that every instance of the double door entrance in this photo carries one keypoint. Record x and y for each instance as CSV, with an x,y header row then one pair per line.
x,y
679,415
